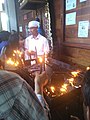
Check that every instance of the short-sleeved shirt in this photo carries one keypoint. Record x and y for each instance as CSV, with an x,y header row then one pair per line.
x,y
39,44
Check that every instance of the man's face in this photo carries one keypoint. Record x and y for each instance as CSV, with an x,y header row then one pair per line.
x,y
33,30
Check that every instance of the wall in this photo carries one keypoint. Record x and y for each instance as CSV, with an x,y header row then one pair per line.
x,y
57,27
72,48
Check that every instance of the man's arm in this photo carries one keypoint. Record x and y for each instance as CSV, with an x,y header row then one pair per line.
x,y
27,103
40,81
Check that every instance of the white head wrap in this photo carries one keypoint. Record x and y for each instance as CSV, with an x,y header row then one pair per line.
x,y
33,24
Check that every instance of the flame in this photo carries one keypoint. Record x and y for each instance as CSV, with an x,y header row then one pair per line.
x,y
29,51
52,89
22,61
88,68
17,53
64,88
71,80
40,59
13,54
15,59
11,62
68,85
16,63
75,73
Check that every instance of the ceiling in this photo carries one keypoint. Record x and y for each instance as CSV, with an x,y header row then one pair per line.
x,y
32,4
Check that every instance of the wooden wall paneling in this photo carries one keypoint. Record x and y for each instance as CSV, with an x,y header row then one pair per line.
x,y
76,56
58,5
56,27
76,50
82,14
72,49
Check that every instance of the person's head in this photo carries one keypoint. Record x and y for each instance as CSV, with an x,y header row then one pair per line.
x,y
4,36
13,44
21,40
33,27
14,39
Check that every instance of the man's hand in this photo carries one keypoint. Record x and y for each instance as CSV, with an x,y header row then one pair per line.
x,y
40,81
30,52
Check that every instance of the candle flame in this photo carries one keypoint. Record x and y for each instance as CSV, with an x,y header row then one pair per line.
x,y
71,80
16,59
88,68
64,88
52,89
75,73
11,62
40,59
14,51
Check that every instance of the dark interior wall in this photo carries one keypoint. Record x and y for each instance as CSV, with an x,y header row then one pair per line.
x,y
76,56
56,15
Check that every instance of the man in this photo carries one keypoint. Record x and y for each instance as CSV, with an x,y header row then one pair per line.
x,y
17,99
35,42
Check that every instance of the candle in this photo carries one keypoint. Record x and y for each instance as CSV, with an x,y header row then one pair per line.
x,y
44,61
36,54
40,60
40,68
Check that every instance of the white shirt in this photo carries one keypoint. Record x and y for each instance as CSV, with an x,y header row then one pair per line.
x,y
40,43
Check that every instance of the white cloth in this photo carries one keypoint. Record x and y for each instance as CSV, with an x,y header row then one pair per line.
x,y
39,44
33,24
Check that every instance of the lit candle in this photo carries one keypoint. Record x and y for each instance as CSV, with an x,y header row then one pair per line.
x,y
36,54
44,61
29,54
40,68
40,60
